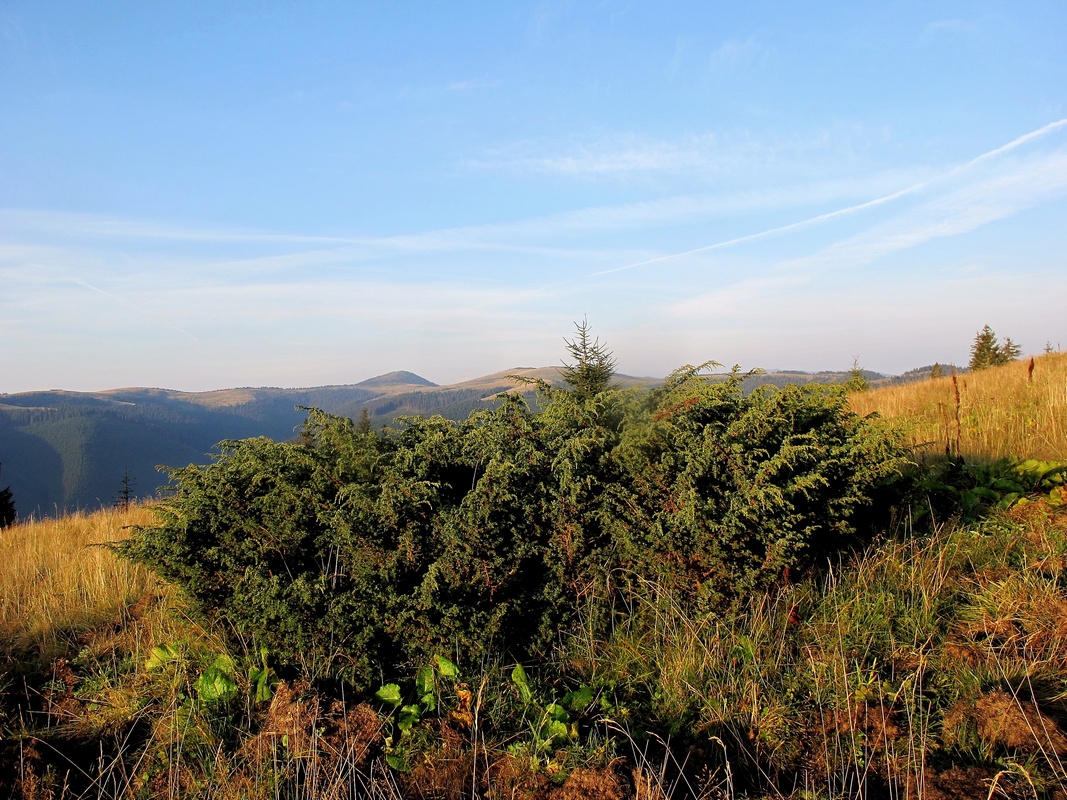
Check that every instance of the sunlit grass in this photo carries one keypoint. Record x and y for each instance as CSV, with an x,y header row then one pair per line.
x,y
1002,412
867,673
56,579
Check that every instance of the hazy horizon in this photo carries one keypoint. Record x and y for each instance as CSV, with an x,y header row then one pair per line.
x,y
203,197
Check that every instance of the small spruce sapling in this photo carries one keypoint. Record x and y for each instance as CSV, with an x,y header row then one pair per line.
x,y
593,364
8,515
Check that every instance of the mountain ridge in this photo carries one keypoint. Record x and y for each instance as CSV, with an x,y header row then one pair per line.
x,y
62,450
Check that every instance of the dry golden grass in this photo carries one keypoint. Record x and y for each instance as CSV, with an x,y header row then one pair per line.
x,y
54,580
1002,412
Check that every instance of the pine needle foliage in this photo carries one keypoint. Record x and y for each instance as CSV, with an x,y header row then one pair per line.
x,y
353,554
987,351
723,492
593,363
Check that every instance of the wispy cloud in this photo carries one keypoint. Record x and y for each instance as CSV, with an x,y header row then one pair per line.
x,y
735,53
958,211
692,156
953,26
614,155
102,226
75,237
471,85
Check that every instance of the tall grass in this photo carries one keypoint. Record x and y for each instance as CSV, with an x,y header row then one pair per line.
x,y
1002,412
57,579
873,680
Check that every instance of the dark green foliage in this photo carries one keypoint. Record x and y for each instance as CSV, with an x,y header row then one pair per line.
x,y
970,490
126,493
725,492
987,352
350,552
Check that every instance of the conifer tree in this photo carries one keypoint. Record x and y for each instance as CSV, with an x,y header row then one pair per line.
x,y
364,425
984,351
593,366
8,515
1009,351
126,494
987,352
857,381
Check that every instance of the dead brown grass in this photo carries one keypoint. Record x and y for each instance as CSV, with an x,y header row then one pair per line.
x,y
55,579
1003,412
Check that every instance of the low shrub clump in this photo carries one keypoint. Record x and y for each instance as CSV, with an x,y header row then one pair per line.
x,y
353,554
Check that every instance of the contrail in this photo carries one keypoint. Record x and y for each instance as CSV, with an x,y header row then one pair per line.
x,y
129,306
1052,126
87,285
1026,137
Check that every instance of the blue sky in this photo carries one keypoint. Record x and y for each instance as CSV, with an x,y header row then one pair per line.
x,y
207,195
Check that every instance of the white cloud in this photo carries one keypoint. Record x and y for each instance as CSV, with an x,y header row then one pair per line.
x,y
980,198
735,53
958,208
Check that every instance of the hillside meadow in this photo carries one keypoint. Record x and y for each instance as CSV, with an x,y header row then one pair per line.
x,y
926,662
1018,410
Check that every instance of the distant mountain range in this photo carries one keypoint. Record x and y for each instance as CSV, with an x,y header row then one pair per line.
x,y
61,451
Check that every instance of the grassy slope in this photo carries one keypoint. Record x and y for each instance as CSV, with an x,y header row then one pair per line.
x,y
1003,412
931,666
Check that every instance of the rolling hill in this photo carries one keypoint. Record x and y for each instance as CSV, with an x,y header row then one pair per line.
x,y
62,450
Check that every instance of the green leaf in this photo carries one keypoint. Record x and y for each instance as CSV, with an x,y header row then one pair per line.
x,y
1054,476
263,680
446,668
397,762
163,654
578,700
553,731
518,677
424,683
1008,500
409,717
556,712
390,693
217,684
744,650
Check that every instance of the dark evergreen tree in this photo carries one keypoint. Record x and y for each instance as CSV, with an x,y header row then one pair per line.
x,y
364,426
8,515
936,371
126,495
356,556
984,351
1009,351
988,352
